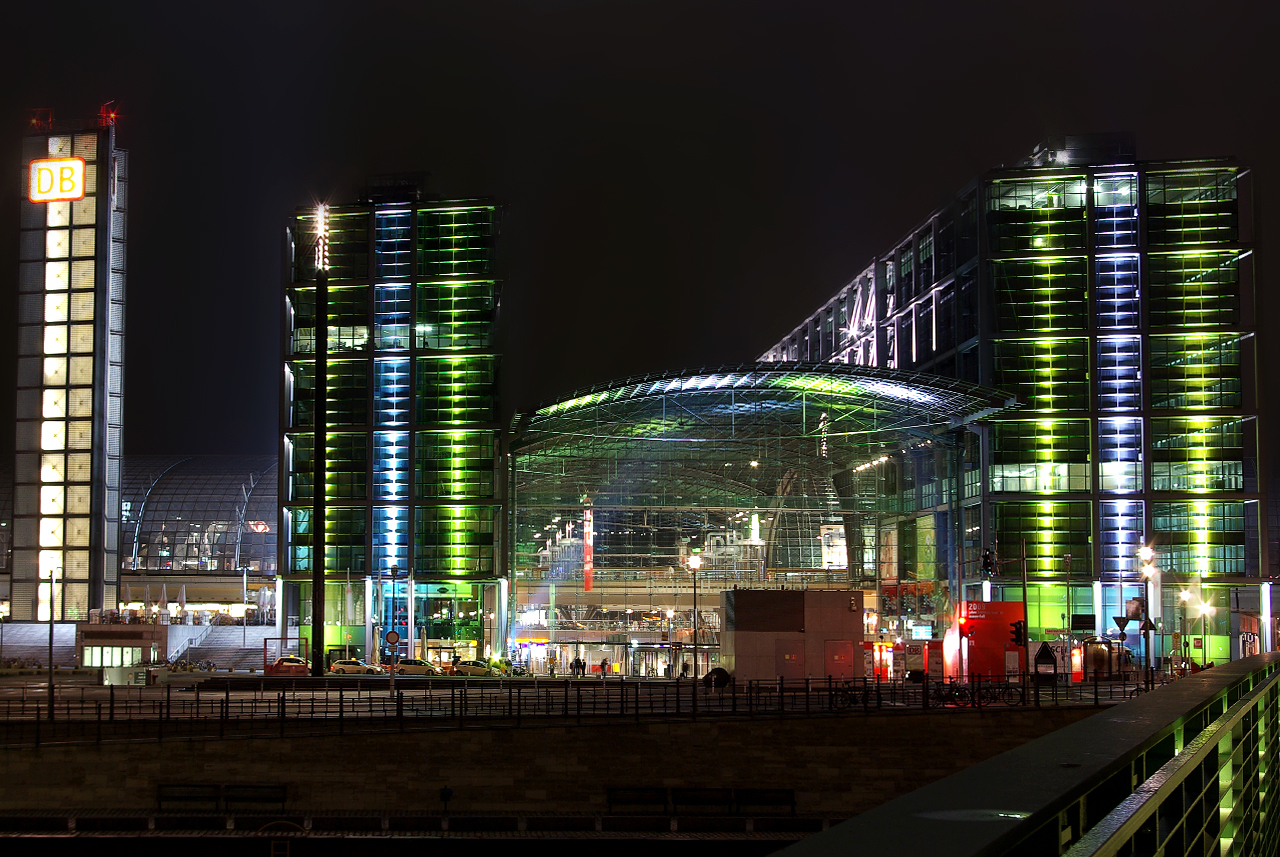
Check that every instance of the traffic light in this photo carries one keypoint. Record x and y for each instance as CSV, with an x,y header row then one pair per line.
x,y
965,628
988,563
1018,632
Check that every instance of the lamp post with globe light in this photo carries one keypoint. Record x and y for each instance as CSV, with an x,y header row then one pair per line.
x,y
1147,554
695,563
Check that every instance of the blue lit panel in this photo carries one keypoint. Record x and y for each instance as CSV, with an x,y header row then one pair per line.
x,y
391,525
392,316
391,391
1119,373
1117,292
1121,531
391,465
1120,454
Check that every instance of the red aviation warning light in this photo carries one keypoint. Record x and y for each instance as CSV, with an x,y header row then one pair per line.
x,y
56,179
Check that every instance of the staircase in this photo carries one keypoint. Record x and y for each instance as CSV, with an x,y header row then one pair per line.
x,y
232,647
28,645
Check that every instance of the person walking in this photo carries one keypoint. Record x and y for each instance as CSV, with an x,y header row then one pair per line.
x,y
604,667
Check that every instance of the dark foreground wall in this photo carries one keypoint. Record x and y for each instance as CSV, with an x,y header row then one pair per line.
x,y
837,765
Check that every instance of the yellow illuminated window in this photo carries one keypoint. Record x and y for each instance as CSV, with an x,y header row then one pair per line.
x,y
58,214
82,243
50,563
55,371
57,243
59,147
50,532
83,211
52,468
78,468
80,434
86,146
77,532
55,339
82,306
55,404
53,435
82,274
81,370
82,338
52,500
55,307
78,500
56,275
80,403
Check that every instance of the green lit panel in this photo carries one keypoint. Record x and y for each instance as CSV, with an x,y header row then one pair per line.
x,y
348,246
348,387
454,465
1036,214
1201,537
345,539
300,542
1194,289
346,466
928,564
1191,372
454,390
301,467
1040,456
1197,207
1046,374
1051,530
454,541
1198,454
455,315
455,242
1041,295
348,318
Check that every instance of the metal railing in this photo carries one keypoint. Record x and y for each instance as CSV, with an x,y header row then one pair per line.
x,y
1187,769
244,707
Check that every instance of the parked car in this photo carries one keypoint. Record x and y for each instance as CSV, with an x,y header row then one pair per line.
x,y
288,665
474,668
416,666
357,667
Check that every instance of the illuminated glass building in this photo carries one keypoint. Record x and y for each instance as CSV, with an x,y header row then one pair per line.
x,y
1115,299
390,425
70,381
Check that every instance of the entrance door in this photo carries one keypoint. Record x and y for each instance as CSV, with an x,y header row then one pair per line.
x,y
788,659
839,660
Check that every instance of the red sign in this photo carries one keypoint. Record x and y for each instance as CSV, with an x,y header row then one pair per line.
x,y
990,635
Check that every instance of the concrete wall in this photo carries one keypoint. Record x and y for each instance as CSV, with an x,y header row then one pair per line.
x,y
842,765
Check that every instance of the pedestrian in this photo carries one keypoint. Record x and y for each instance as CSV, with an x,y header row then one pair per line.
x,y
604,667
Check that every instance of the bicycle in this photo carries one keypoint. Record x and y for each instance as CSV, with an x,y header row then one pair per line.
x,y
846,696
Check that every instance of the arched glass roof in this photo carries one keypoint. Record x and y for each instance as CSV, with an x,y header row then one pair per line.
x,y
199,514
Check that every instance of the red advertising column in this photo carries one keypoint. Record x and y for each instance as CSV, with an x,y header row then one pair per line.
x,y
992,649
588,551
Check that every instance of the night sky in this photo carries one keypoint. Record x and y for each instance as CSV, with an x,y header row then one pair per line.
x,y
684,182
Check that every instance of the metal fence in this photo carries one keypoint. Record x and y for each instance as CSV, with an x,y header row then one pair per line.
x,y
229,707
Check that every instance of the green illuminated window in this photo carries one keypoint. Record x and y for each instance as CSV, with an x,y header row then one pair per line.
x,y
1189,372
348,246
1046,374
455,242
344,535
348,401
454,540
1051,530
1201,537
1040,457
1197,454
1041,296
1191,207
455,315
301,467
1194,289
454,390
348,318
1037,214
454,465
346,466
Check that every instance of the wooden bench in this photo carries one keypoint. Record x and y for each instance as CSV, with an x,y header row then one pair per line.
x,y
770,798
207,794
643,797
702,798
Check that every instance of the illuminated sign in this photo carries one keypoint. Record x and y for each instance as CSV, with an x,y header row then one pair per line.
x,y
54,179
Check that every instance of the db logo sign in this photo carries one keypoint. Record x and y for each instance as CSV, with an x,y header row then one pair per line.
x,y
55,179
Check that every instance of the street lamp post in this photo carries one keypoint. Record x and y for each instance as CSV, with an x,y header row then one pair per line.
x,y
53,579
671,644
1147,554
695,563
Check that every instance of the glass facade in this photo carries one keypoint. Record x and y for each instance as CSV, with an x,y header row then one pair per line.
x,y
401,450
1115,299
70,377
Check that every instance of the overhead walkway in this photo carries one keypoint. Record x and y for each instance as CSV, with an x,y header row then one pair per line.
x,y
1187,769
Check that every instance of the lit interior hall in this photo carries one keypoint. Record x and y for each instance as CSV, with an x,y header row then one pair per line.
x,y
631,499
